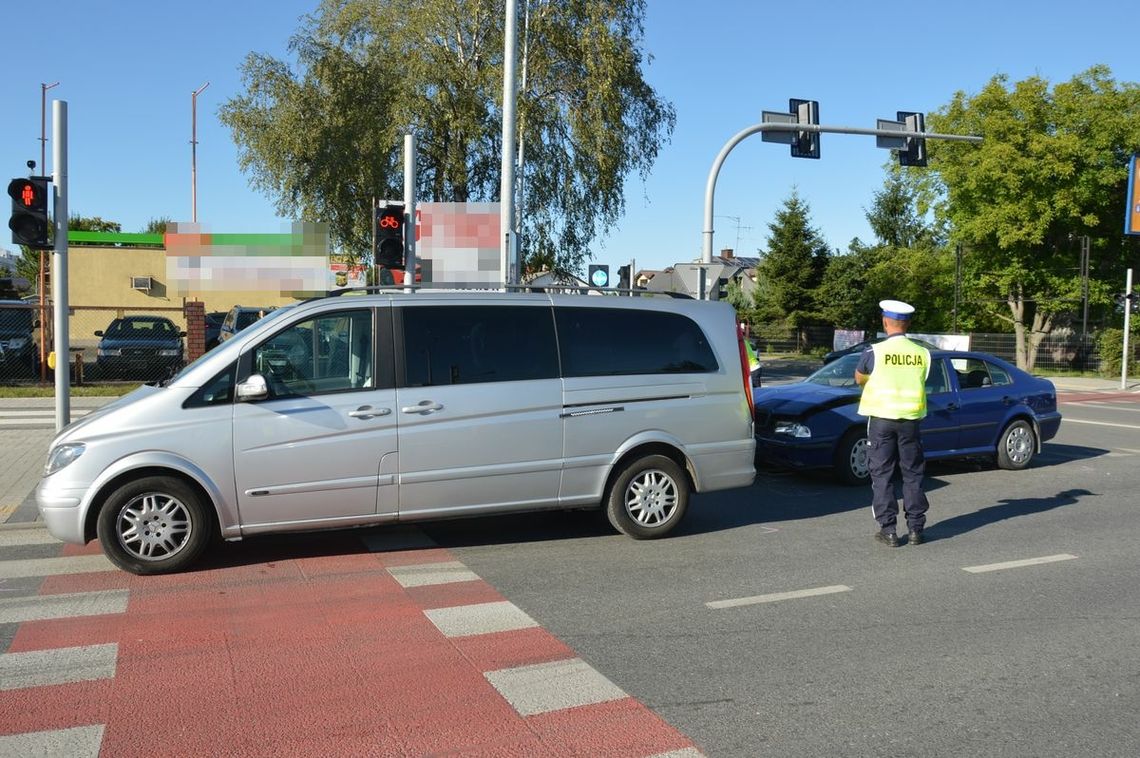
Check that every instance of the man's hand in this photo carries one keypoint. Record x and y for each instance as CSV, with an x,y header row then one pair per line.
x,y
861,378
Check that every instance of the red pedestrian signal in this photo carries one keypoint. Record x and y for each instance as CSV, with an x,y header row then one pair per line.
x,y
29,221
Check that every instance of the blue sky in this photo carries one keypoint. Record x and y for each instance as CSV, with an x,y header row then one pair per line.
x,y
127,70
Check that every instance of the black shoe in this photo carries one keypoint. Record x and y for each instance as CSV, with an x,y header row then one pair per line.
x,y
887,538
915,538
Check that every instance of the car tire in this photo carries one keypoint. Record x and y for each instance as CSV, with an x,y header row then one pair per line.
x,y
648,498
1016,446
853,458
153,525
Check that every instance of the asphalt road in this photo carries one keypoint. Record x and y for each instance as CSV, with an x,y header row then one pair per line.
x,y
934,650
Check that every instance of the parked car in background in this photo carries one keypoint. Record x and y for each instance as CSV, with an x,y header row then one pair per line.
x,y
977,404
19,358
238,318
214,322
859,347
139,347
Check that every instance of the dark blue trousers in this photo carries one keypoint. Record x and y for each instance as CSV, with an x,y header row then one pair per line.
x,y
896,443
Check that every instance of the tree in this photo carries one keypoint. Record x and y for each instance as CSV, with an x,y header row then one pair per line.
x,y
158,225
1052,168
326,138
793,267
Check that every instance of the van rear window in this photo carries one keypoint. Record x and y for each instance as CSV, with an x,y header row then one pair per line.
x,y
616,341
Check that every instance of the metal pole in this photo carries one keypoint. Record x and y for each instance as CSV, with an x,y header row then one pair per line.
x,y
1084,288
410,211
507,182
194,152
957,282
710,186
1127,325
59,266
41,288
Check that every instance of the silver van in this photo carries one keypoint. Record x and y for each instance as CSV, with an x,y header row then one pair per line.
x,y
383,407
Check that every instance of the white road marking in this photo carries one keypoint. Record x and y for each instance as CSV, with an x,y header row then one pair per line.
x,y
424,574
554,686
776,596
75,564
33,536
1113,406
1100,423
38,668
1019,564
480,618
78,742
16,610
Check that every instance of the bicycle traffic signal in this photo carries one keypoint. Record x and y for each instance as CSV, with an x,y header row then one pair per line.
x,y
390,236
29,221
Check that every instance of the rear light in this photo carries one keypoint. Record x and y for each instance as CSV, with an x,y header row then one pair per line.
x,y
745,371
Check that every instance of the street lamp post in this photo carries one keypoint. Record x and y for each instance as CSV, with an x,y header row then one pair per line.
x,y
194,152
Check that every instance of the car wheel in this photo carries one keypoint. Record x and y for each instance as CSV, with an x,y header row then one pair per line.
x,y
1016,446
153,525
648,498
853,458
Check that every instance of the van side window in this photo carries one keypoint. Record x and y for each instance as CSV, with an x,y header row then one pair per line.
x,y
217,391
614,341
330,353
468,344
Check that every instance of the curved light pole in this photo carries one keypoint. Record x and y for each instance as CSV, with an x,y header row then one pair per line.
x,y
194,152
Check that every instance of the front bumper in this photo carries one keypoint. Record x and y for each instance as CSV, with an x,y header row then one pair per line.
x,y
59,507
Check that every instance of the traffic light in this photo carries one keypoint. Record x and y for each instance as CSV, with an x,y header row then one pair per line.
x,y
805,144
915,152
29,222
599,275
623,277
390,236
719,289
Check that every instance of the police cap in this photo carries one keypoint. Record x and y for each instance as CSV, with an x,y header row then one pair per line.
x,y
896,309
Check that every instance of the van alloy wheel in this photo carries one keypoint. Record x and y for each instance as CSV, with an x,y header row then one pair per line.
x,y
154,525
648,498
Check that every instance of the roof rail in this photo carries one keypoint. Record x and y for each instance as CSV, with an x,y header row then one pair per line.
x,y
572,289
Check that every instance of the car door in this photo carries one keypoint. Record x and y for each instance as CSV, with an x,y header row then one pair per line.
x,y
941,427
984,405
322,445
479,406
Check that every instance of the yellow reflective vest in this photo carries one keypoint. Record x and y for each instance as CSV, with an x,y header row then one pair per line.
x,y
896,388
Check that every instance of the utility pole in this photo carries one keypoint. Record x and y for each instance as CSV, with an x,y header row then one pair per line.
x,y
194,152
41,288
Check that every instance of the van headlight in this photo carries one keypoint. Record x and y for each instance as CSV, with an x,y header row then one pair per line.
x,y
62,456
793,429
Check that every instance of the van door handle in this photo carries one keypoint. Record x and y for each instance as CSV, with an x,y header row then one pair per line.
x,y
424,406
367,411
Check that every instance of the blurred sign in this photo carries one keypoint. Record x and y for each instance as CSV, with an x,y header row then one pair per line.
x,y
1132,213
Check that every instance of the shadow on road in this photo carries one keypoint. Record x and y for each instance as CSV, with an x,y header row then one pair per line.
x,y
1006,509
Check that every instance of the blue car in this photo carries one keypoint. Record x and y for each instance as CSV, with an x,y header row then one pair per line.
x,y
976,404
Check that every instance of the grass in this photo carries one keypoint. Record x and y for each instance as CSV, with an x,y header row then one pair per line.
x,y
84,390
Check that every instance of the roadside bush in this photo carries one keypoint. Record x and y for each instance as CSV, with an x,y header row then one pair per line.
x,y
1110,346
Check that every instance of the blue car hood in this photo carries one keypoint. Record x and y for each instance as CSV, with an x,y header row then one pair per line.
x,y
803,397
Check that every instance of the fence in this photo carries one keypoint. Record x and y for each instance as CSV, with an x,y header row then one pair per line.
x,y
1061,350
107,344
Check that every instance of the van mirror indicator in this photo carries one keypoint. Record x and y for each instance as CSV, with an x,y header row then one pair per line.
x,y
253,388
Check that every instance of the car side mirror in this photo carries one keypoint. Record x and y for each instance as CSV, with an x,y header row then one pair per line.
x,y
99,333
253,388
182,334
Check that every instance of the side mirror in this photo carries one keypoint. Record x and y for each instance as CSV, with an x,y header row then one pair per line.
x,y
99,333
182,334
253,388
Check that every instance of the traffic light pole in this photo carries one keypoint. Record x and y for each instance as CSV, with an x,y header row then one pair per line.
x,y
410,212
62,337
714,172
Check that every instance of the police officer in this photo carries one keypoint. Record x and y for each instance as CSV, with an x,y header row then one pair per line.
x,y
893,375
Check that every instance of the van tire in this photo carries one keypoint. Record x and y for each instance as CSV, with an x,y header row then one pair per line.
x,y
648,498
153,525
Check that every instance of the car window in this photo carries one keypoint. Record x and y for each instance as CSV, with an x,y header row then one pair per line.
x,y
467,344
838,373
936,380
972,373
329,353
617,341
998,375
